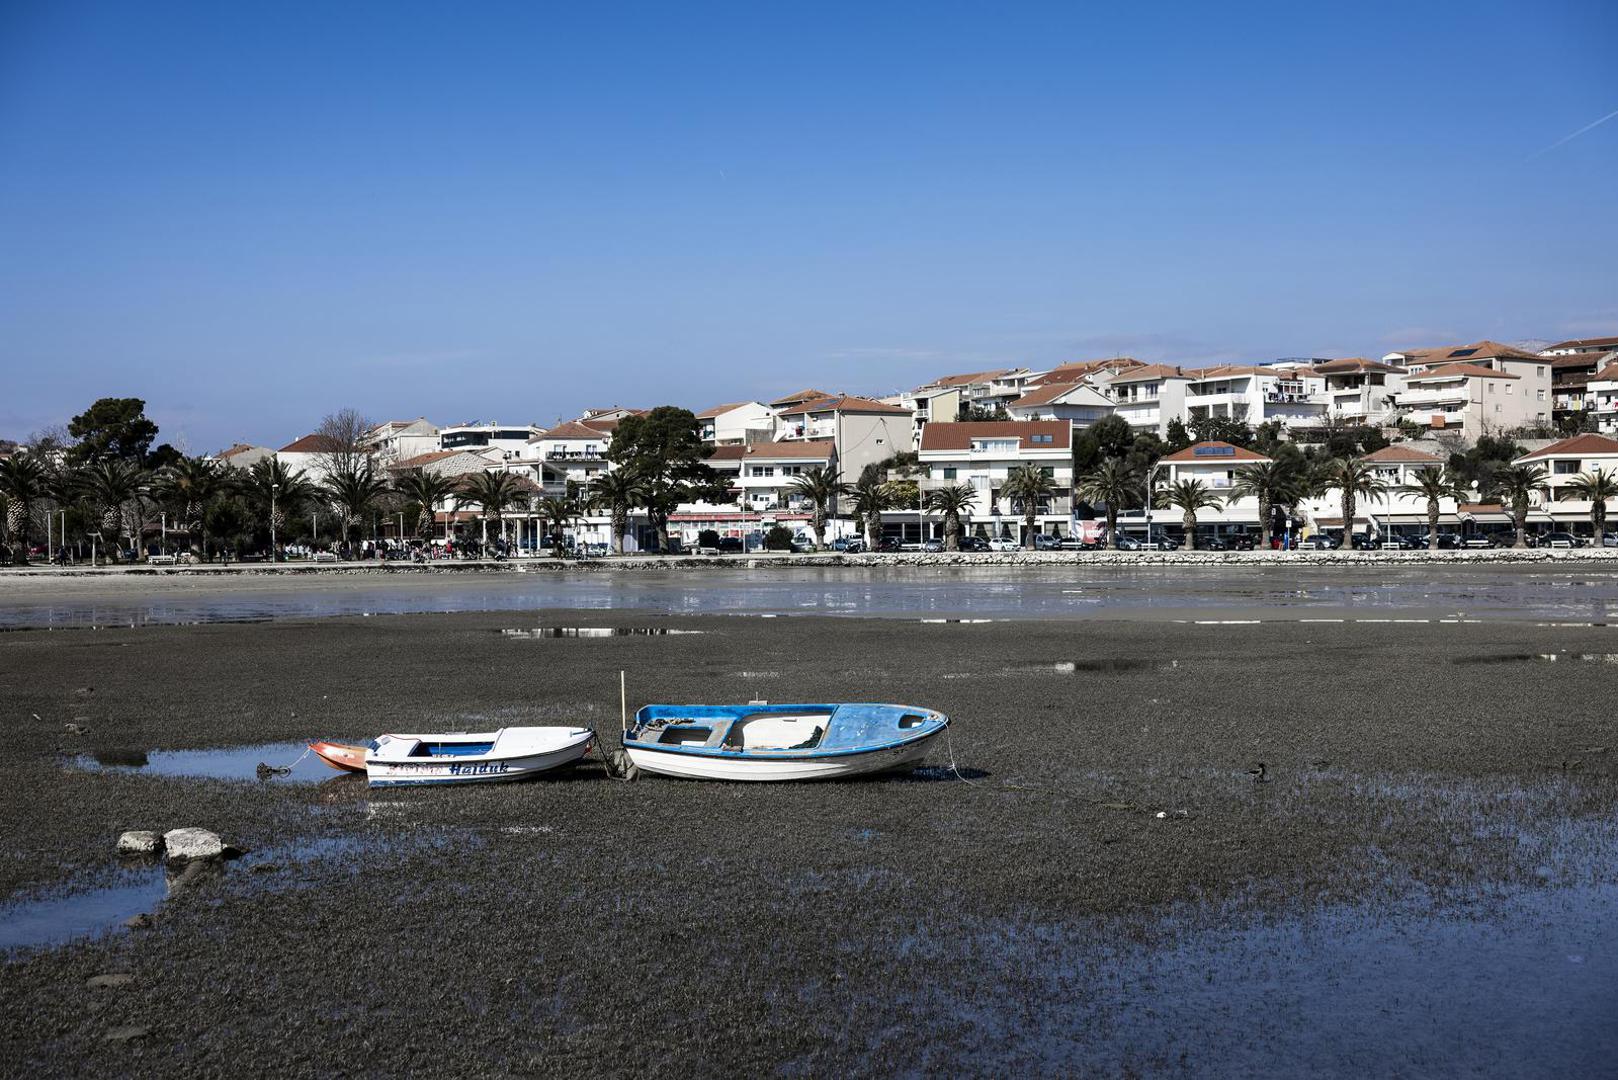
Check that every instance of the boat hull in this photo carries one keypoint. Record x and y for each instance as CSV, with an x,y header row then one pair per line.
x,y
340,756
752,768
472,770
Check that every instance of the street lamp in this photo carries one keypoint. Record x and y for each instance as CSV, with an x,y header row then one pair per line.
x,y
1151,492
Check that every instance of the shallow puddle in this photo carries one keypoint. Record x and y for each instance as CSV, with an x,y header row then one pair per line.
x,y
594,632
1539,658
57,916
219,763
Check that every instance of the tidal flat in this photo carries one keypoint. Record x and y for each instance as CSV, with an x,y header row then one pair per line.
x,y
1423,877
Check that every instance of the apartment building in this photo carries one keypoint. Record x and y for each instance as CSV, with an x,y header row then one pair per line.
x,y
1092,371
1253,395
1149,396
1359,390
1581,345
1602,398
572,453
1474,400
762,475
243,455
863,431
396,440
1562,462
737,422
980,389
983,454
1078,403
510,441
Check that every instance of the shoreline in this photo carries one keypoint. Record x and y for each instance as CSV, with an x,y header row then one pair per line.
x,y
833,560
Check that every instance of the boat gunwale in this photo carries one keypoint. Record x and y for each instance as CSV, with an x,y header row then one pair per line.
x,y
631,741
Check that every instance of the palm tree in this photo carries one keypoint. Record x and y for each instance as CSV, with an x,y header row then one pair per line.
x,y
1596,486
870,498
1354,478
1273,483
1435,485
822,488
425,491
616,491
190,486
558,513
1027,485
1517,484
114,487
1114,484
23,482
275,491
493,493
952,502
1189,496
354,492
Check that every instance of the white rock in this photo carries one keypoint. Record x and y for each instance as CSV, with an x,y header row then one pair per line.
x,y
138,842
183,845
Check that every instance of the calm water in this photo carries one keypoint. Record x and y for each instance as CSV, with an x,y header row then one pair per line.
x,y
1483,592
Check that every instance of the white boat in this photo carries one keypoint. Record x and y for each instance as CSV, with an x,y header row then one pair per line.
x,y
513,753
780,742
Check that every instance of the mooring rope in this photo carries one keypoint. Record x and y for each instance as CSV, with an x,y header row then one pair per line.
x,y
267,771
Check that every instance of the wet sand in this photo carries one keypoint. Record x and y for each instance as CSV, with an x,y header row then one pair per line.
x,y
1437,842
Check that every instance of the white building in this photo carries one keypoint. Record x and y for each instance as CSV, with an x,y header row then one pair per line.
x,y
1601,397
396,440
571,453
1078,403
311,455
863,431
1581,345
983,454
737,422
1475,400
1562,462
243,455
1150,396
1253,395
1358,390
509,440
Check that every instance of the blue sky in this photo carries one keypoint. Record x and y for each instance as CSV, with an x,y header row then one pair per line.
x,y
251,215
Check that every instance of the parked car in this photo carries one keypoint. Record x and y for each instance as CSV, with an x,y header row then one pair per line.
x,y
932,546
731,545
888,544
1320,542
1446,540
1129,543
1477,540
847,544
1004,543
1561,540
974,543
1046,542
1366,542
1609,540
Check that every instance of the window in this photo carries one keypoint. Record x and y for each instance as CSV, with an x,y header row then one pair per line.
x,y
1542,395
949,472
1564,467
1508,388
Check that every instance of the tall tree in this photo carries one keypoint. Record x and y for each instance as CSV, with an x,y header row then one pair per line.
x,y
617,491
664,449
1272,483
493,493
115,487
1189,496
24,483
558,511
276,493
1516,484
1025,486
1353,479
822,488
1596,487
353,494
1114,485
869,499
189,488
952,502
424,491
345,438
112,428
1435,485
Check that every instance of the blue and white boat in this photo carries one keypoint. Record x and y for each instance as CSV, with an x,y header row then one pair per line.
x,y
513,753
780,742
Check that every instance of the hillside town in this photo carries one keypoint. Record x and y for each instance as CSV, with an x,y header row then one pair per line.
x,y
1475,445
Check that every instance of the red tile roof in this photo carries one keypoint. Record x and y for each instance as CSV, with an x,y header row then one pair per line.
x,y
1355,365
1459,371
1078,370
575,429
709,414
425,459
1150,372
1478,350
1394,455
959,435
1213,451
1586,343
972,377
1044,394
800,396
1581,445
847,403
787,450
311,444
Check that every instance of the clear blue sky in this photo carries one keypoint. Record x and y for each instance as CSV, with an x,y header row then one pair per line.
x,y
252,214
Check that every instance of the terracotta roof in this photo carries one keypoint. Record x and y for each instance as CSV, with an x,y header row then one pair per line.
x,y
1220,371
709,414
1478,350
788,450
238,448
1355,365
1077,371
1044,394
1460,371
1402,454
800,396
959,435
574,429
311,444
847,403
1214,451
972,377
425,459
1150,372
1579,360
1585,343
1582,445
1607,374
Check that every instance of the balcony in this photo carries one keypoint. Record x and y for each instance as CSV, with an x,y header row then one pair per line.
x,y
1218,399
1456,394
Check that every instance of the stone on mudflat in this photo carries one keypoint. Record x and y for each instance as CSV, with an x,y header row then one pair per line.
x,y
127,1034
183,845
142,921
112,981
138,842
